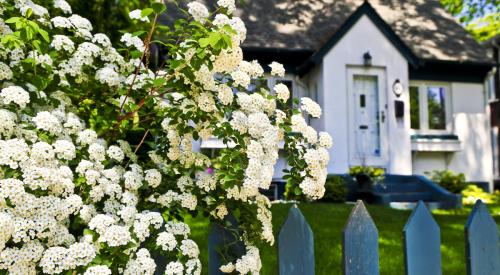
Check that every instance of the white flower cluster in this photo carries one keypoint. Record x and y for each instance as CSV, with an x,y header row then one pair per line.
x,y
277,69
198,11
98,270
174,240
228,4
142,264
317,160
108,76
63,43
48,122
5,72
62,5
39,223
15,94
39,219
282,92
58,259
310,107
248,264
136,14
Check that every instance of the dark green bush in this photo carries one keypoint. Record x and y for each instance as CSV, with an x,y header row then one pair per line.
x,y
335,189
450,181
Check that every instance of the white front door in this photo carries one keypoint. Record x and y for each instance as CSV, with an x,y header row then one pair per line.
x,y
368,144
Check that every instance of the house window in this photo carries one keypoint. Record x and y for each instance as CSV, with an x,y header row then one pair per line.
x,y
436,108
430,109
414,108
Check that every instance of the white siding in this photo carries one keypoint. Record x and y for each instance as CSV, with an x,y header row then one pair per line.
x,y
362,37
472,126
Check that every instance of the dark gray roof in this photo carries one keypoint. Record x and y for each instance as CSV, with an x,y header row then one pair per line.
x,y
493,42
423,25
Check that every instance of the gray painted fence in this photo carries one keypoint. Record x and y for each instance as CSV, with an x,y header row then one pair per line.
x,y
421,242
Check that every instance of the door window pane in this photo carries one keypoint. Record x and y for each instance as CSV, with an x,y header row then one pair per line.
x,y
436,108
414,108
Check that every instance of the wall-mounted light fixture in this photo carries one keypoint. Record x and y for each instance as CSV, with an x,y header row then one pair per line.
x,y
367,58
397,88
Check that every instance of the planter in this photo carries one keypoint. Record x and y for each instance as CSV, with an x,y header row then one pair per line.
x,y
365,188
364,182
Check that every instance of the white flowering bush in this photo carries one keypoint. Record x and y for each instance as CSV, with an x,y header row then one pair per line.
x,y
97,158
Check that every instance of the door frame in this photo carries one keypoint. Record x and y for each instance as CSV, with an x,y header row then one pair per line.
x,y
380,73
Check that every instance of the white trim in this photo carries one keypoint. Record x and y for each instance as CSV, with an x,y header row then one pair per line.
x,y
424,113
380,73
436,145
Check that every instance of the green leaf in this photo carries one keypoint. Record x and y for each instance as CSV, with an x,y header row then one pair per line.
x,y
12,20
135,54
297,191
159,82
88,232
214,37
146,12
36,45
29,12
138,33
159,7
44,34
204,42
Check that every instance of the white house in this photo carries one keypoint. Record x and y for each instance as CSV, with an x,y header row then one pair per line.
x,y
402,85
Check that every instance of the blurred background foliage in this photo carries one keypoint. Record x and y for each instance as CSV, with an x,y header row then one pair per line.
x,y
480,17
108,16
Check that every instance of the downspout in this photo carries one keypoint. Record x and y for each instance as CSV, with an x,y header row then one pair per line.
x,y
496,76
496,56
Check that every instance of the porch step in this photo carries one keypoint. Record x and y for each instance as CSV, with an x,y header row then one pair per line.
x,y
404,191
431,205
410,196
402,187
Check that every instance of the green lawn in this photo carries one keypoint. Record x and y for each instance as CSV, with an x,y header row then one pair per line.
x,y
328,220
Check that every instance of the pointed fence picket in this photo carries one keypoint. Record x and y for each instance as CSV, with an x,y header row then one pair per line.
x,y
481,242
296,245
223,240
421,241
360,243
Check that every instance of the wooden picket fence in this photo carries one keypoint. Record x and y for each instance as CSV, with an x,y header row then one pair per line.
x,y
421,242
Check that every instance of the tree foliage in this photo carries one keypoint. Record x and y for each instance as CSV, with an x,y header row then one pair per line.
x,y
109,17
480,17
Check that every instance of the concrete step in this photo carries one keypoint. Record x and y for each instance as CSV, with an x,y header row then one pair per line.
x,y
410,196
431,205
401,187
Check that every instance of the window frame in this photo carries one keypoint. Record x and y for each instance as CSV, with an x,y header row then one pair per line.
x,y
424,107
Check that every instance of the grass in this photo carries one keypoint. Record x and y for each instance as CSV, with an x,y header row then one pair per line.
x,y
328,220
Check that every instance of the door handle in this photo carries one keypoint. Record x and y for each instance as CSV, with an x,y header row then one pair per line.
x,y
382,116
363,127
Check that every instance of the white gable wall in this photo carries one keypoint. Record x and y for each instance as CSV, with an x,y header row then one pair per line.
x,y
362,37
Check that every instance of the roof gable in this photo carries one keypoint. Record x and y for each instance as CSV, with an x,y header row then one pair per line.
x,y
382,26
